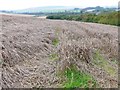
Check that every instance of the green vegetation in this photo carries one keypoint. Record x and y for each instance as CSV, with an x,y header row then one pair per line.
x,y
1,61
57,31
54,56
73,78
114,61
77,79
102,63
55,42
110,18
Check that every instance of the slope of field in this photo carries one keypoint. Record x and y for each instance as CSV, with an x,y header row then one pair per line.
x,y
35,50
0,51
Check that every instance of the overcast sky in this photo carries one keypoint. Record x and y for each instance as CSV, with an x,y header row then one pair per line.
x,y
22,4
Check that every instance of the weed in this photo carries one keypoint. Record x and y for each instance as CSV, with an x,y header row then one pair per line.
x,y
57,31
54,56
114,61
1,61
55,42
100,61
76,79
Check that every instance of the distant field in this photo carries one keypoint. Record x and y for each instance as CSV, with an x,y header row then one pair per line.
x,y
24,15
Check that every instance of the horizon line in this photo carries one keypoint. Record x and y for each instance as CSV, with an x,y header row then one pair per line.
x,y
61,6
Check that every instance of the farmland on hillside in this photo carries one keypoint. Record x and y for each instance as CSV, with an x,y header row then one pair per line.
x,y
43,53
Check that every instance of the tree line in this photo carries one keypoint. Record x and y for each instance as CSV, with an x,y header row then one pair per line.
x,y
110,18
